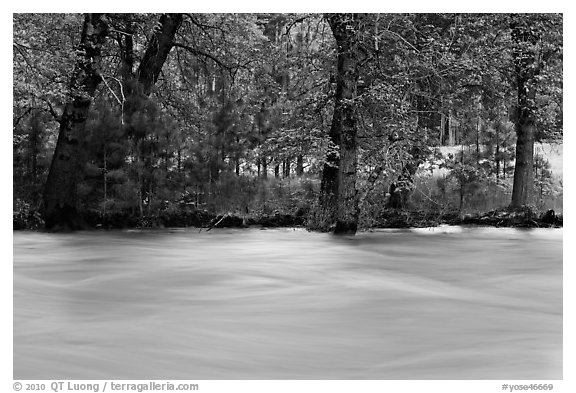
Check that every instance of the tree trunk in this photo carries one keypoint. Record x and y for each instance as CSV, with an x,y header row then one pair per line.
x,y
157,51
442,137
237,157
497,153
524,166
286,168
264,167
339,198
105,176
299,165
525,40
34,147
451,131
478,142
126,43
60,211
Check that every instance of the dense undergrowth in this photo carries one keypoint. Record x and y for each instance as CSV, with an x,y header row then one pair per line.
x,y
434,199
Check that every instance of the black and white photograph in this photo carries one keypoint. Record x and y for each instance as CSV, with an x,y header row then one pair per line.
x,y
252,196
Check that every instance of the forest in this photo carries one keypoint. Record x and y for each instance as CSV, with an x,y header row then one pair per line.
x,y
333,122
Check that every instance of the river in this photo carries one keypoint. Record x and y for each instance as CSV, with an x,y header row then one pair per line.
x,y
443,303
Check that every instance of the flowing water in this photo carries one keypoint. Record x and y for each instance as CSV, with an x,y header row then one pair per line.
x,y
447,303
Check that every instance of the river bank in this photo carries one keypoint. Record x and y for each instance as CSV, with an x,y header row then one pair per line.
x,y
389,218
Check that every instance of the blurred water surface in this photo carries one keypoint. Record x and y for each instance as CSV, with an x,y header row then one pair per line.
x,y
444,303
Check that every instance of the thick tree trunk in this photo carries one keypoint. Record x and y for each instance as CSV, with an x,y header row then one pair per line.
x,y
524,166
59,211
525,41
157,51
339,198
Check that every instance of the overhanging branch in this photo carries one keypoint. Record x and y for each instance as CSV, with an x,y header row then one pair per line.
x,y
198,52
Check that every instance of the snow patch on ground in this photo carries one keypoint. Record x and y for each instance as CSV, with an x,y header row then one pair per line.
x,y
553,152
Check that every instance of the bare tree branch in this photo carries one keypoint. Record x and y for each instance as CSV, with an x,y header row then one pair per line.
x,y
52,111
401,39
201,25
198,52
294,23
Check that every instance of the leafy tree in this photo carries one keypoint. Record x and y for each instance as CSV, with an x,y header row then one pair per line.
x,y
535,44
60,194
339,196
467,175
